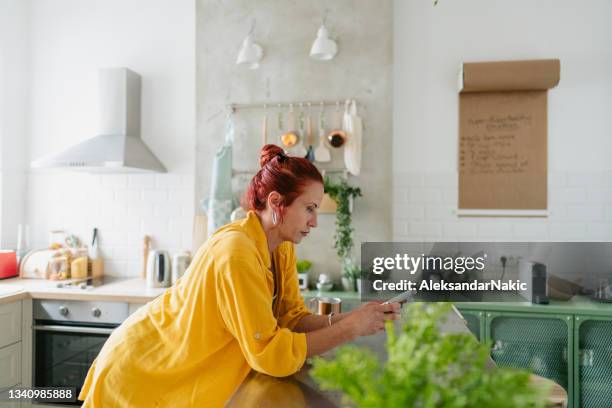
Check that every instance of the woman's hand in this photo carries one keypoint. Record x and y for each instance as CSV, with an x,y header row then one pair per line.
x,y
363,321
370,318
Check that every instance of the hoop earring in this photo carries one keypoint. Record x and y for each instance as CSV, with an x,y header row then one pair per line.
x,y
274,218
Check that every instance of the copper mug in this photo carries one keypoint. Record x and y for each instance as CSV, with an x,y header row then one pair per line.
x,y
326,305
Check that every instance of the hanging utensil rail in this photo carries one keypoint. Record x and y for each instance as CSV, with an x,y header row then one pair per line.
x,y
323,172
264,105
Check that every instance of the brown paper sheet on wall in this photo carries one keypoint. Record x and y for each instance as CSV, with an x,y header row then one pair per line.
x,y
503,134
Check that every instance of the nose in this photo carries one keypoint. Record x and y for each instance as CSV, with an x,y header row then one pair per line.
x,y
313,221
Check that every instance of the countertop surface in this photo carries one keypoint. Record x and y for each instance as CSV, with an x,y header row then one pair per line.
x,y
301,391
576,305
131,290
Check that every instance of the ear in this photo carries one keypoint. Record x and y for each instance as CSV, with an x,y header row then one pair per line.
x,y
275,200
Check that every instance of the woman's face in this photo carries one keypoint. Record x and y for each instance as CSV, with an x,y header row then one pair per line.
x,y
301,215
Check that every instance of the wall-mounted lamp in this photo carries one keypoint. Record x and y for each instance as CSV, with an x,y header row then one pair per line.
x,y
250,53
323,48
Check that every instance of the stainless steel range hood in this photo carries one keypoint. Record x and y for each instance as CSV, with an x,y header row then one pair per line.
x,y
118,148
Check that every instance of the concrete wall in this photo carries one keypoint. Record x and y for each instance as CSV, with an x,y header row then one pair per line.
x,y
430,43
286,30
70,40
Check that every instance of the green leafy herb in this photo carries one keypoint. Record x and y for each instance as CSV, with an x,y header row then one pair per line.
x,y
342,193
427,369
351,271
303,265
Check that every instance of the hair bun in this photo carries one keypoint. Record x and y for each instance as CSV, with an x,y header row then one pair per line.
x,y
268,152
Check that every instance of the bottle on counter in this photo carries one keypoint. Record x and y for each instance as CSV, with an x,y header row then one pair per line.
x,y
95,265
180,263
23,241
78,267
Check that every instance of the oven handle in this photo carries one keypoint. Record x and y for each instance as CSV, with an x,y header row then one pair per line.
x,y
69,329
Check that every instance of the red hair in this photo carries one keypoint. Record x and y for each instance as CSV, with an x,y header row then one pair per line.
x,y
287,175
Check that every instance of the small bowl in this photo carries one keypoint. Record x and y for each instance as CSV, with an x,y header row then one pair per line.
x,y
325,287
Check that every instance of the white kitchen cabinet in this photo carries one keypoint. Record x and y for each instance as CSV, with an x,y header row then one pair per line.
x,y
134,307
10,350
10,322
26,343
4,400
10,366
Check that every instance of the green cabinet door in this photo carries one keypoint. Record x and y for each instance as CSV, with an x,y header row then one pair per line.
x,y
475,322
541,343
593,362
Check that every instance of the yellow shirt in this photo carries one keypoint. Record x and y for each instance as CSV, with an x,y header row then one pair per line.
x,y
196,343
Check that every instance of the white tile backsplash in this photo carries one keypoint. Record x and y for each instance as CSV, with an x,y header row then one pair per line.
x,y
567,195
141,180
530,229
461,228
155,196
493,230
439,212
584,212
580,208
586,179
431,229
122,207
113,180
409,211
440,180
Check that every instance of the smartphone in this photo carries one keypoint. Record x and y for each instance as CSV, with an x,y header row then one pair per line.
x,y
402,297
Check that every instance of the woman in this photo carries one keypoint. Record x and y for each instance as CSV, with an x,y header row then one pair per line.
x,y
237,308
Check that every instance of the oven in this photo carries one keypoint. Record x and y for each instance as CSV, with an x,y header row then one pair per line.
x,y
67,337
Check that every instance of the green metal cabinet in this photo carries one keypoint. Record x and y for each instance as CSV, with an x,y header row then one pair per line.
x,y
568,342
593,361
475,322
541,343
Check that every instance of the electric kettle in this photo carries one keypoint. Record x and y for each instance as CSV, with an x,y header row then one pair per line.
x,y
158,269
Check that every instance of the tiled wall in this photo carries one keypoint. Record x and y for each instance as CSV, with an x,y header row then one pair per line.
x,y
123,207
425,206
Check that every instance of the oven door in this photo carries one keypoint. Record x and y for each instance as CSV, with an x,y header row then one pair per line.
x,y
64,352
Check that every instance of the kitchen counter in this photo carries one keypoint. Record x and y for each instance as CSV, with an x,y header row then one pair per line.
x,y
300,390
131,290
576,305
295,391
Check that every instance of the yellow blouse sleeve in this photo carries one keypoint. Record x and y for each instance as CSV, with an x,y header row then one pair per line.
x,y
245,304
292,306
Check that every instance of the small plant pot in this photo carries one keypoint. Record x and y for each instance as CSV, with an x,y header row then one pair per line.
x,y
348,285
303,280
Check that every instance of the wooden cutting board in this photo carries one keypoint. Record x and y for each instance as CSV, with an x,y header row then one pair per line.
x,y
557,397
200,229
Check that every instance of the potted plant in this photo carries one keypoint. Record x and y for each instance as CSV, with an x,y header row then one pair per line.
x,y
303,267
351,274
343,194
426,368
